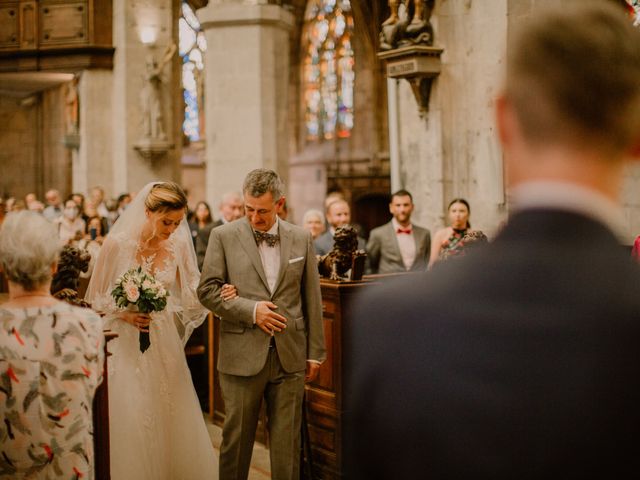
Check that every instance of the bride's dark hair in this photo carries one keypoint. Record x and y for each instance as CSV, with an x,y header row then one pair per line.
x,y
166,196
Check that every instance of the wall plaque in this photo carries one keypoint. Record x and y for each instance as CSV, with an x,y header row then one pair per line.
x,y
9,25
64,23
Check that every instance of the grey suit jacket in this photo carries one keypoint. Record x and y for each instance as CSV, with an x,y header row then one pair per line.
x,y
233,257
383,252
324,243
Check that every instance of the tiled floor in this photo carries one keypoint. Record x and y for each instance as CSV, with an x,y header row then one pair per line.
x,y
260,466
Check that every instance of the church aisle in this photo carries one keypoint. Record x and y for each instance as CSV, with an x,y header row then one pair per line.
x,y
260,466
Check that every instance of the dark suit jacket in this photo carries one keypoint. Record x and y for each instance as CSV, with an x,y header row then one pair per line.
x,y
383,252
202,241
324,243
519,360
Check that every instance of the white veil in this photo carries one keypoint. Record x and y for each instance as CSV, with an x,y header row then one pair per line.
x,y
118,254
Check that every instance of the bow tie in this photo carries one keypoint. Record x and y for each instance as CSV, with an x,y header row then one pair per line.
x,y
270,239
404,230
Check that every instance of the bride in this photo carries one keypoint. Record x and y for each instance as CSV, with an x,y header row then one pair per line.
x,y
156,425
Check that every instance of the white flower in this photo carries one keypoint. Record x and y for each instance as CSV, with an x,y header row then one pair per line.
x,y
147,284
132,292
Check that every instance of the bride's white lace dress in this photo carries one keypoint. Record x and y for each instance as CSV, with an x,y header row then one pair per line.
x,y
157,428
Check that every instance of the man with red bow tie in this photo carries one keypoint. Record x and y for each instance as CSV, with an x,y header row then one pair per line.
x,y
399,246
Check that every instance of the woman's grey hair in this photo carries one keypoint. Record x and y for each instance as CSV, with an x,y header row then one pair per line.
x,y
29,244
260,181
312,213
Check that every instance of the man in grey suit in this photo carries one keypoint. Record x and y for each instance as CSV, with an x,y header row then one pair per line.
x,y
399,246
270,333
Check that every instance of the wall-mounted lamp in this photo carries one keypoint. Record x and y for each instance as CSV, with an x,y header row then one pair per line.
x,y
148,34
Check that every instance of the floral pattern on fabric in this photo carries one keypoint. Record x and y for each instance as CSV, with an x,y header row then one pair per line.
x,y
452,245
50,366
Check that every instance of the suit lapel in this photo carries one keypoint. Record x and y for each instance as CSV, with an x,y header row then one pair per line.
x,y
418,235
248,242
394,241
285,248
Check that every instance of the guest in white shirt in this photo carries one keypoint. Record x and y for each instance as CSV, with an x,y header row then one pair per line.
x,y
70,226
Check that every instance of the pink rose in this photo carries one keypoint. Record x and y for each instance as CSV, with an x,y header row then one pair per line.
x,y
132,292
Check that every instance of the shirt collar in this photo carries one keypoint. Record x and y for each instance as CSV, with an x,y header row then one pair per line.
x,y
396,226
569,197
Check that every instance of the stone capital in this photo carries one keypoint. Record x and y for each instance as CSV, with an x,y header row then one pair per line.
x,y
238,14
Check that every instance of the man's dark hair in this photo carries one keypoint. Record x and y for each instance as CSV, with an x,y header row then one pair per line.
x,y
402,193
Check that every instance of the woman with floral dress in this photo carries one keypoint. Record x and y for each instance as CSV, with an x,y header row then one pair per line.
x,y
51,357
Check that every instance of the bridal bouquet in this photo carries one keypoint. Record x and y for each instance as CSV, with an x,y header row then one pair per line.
x,y
139,291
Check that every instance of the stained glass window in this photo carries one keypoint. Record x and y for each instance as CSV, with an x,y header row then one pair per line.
x,y
328,69
192,46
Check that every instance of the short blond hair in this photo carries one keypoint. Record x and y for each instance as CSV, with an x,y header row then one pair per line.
x,y
573,76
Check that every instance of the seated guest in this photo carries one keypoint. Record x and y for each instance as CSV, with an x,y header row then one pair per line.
x,y
92,242
201,219
231,208
313,222
338,214
635,251
70,226
398,246
54,205
447,238
471,239
51,363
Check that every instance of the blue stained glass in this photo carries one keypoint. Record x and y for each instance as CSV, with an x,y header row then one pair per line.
x,y
191,45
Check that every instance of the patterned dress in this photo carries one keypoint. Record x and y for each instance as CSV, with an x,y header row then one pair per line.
x,y
50,366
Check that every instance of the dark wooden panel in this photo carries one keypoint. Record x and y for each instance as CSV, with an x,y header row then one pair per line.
x,y
66,24
9,25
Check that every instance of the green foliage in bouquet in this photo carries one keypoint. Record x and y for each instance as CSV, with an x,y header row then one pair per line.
x,y
139,288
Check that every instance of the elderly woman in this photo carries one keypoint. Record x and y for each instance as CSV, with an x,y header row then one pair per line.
x,y
313,221
50,361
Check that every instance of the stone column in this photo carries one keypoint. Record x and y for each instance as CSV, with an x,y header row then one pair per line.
x,y
247,73
110,104
92,163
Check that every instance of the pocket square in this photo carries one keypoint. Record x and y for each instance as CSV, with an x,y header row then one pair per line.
x,y
294,260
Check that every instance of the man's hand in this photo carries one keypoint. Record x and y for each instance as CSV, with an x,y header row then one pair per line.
x,y
312,371
268,320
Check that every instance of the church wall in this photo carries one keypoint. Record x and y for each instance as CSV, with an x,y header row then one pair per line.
x,y
452,152
33,157
57,158
19,166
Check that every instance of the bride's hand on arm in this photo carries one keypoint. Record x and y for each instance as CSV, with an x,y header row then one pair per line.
x,y
139,320
228,292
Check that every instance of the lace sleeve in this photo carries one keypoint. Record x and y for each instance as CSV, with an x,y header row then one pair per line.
x,y
190,313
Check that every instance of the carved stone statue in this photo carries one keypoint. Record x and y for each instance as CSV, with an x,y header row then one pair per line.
x,y
344,256
397,31
151,96
64,286
71,107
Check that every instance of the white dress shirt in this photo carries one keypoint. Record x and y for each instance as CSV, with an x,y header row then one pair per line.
x,y
270,257
572,198
406,243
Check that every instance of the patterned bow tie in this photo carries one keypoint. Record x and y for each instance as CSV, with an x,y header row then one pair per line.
x,y
270,239
404,230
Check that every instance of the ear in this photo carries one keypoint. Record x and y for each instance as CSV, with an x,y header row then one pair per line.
x,y
506,121
634,151
280,203
54,268
147,212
